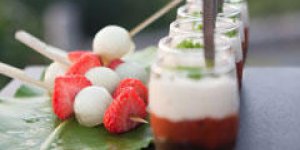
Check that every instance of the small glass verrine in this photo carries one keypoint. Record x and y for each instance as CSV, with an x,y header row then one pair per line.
x,y
224,27
242,5
193,106
232,12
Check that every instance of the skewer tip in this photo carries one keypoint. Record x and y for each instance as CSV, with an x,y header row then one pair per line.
x,y
139,120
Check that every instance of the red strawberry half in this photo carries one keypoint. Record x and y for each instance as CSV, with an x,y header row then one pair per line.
x,y
65,90
75,55
115,63
84,63
136,84
117,117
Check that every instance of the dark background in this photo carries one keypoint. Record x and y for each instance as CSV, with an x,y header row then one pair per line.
x,y
275,37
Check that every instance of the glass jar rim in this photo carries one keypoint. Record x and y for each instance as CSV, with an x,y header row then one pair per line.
x,y
231,11
225,1
231,25
219,47
194,58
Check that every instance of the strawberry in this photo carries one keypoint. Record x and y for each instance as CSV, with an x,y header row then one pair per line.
x,y
136,84
115,63
84,63
75,55
117,116
65,90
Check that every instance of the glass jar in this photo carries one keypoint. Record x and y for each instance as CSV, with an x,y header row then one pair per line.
x,y
193,106
242,5
229,12
223,26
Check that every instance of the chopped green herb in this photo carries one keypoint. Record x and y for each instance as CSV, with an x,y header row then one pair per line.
x,y
197,26
234,18
189,44
195,75
192,72
197,14
232,33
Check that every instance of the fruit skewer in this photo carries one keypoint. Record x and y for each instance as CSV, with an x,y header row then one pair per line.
x,y
60,56
16,73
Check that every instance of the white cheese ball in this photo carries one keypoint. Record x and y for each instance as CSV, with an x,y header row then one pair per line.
x,y
112,42
90,105
103,77
54,70
132,70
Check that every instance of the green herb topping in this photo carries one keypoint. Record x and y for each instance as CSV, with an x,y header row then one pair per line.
x,y
197,14
192,72
189,44
197,26
232,33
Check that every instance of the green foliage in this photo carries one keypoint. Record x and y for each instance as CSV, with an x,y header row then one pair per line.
x,y
274,7
15,15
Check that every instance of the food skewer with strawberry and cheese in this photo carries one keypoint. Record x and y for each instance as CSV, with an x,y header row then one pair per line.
x,y
87,70
93,105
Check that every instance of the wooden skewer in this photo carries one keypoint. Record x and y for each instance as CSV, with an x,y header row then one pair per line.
x,y
13,72
139,120
154,17
50,52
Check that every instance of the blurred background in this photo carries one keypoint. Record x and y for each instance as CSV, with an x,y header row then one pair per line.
x,y
70,25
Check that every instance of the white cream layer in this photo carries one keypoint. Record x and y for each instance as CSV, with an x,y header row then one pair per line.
x,y
185,99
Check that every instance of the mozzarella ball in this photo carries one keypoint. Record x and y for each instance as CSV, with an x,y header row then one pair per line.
x,y
132,70
103,77
54,70
90,105
112,42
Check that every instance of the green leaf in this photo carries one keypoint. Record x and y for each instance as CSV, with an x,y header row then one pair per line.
x,y
76,137
29,91
26,123
144,57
